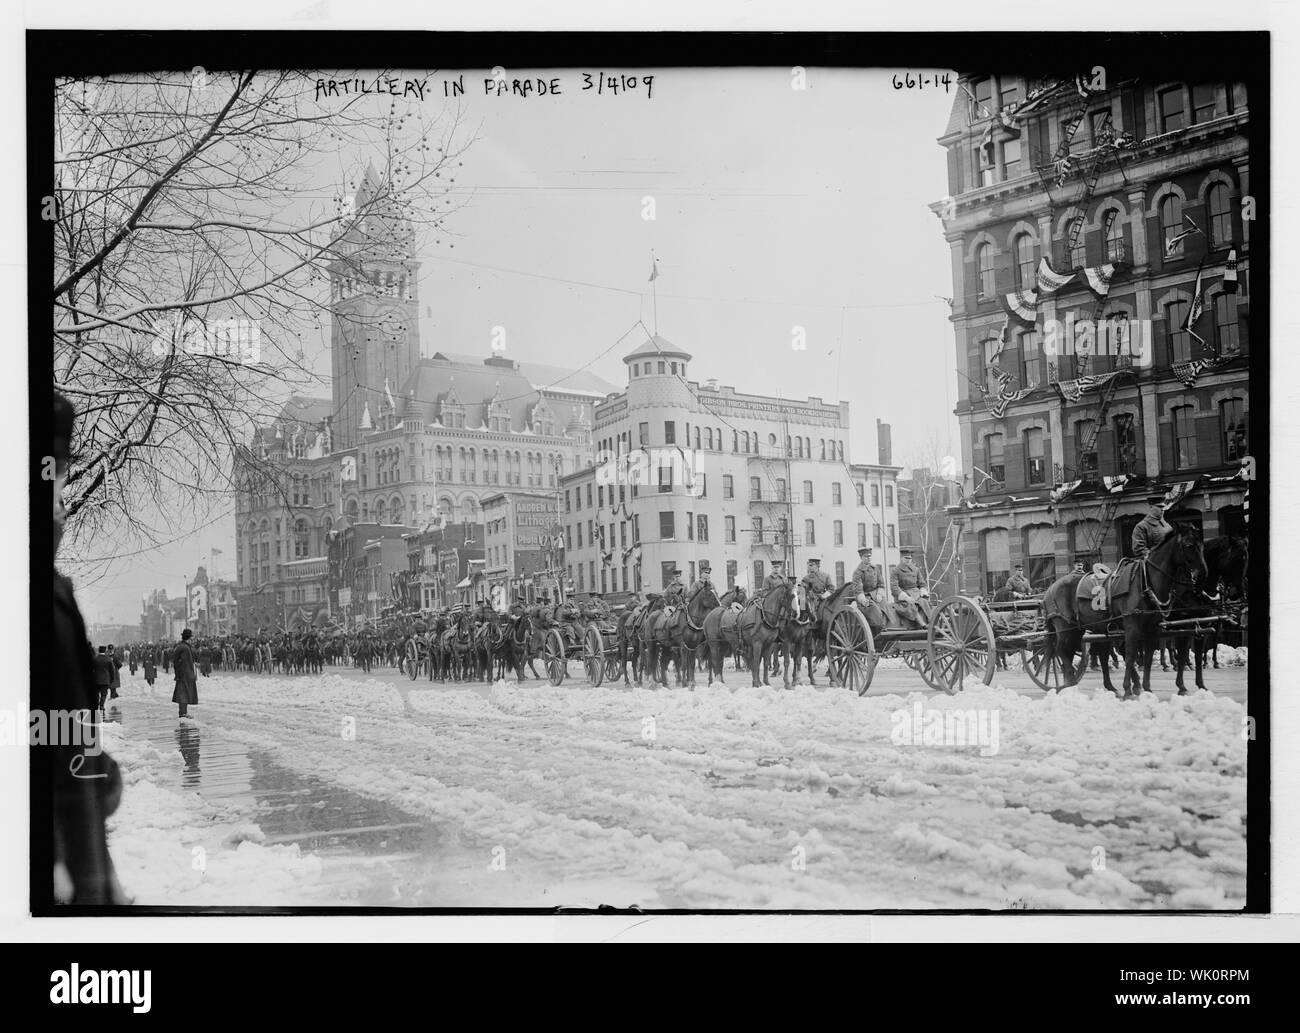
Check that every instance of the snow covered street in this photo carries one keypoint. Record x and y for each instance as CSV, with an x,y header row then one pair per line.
x,y
754,798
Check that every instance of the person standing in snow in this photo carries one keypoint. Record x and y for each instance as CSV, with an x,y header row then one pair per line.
x,y
186,693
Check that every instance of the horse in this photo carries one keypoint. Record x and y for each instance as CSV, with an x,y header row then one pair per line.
x,y
631,645
732,602
488,640
685,630
457,644
793,639
1139,600
514,648
758,627
1226,560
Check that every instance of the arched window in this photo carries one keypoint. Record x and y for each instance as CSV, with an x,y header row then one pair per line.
x,y
1025,265
1171,225
1176,335
984,267
1078,256
1114,237
1219,203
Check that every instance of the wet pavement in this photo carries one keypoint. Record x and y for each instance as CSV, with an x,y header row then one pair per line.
x,y
372,853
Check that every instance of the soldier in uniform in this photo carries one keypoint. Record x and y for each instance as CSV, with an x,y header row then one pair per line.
x,y
817,587
675,593
1018,583
705,580
1153,528
774,579
905,582
867,590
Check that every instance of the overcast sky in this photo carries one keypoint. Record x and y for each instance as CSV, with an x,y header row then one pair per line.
x,y
775,208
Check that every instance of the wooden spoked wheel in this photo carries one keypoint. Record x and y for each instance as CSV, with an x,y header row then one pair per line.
x,y
1046,669
961,643
554,657
593,656
851,650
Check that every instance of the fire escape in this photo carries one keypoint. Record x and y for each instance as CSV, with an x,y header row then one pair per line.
x,y
771,504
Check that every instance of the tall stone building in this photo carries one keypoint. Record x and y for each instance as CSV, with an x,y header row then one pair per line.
x,y
404,440
1115,210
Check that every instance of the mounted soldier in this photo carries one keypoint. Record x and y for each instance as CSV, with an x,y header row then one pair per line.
x,y
701,582
775,579
817,587
675,593
1018,583
867,590
907,585
1152,529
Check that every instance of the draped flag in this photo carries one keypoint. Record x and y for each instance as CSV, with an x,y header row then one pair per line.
x,y
1230,273
1197,307
1187,372
1072,390
1002,341
1028,498
1172,244
1006,396
1115,485
1178,492
1063,491
1099,278
968,504
1023,305
1050,281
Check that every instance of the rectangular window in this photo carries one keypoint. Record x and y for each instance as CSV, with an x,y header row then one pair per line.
x,y
643,433
807,492
661,367
1173,113
862,535
1205,103
1031,360
1180,341
728,486
1126,447
755,489
665,476
889,496
1011,163
578,526
860,488
1035,463
666,530
588,496
690,527
702,528
891,536
1184,438
836,500
731,574
875,496
670,432
729,529
838,532
1225,324
757,525
875,535
997,559
839,572
758,575
1232,419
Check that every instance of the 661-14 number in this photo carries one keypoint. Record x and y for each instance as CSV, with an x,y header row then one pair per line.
x,y
911,81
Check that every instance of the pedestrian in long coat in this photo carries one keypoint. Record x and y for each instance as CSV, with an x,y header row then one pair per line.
x,y
186,693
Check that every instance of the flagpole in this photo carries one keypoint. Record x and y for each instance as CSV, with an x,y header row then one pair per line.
x,y
654,287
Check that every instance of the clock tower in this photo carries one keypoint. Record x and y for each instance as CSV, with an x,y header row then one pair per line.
x,y
374,305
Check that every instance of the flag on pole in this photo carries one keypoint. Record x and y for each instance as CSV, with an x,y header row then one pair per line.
x,y
654,269
1197,306
1174,244
1230,273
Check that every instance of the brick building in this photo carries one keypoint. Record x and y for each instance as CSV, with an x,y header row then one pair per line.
x,y
1130,192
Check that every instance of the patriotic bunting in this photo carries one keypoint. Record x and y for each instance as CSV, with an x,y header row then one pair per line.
x,y
1178,492
1197,306
1172,244
1072,390
1063,491
1007,397
1023,305
1230,273
1115,485
1187,372
1099,278
1050,281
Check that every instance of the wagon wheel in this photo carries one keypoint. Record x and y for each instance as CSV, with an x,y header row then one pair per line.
x,y
413,664
919,661
1046,669
593,657
553,656
850,650
960,642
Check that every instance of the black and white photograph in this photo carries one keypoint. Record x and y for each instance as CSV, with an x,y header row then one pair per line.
x,y
776,473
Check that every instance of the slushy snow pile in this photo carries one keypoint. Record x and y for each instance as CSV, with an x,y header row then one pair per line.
x,y
757,798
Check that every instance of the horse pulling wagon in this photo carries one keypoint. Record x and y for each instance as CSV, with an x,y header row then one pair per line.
x,y
593,642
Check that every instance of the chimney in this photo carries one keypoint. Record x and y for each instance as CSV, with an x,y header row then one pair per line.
x,y
884,443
